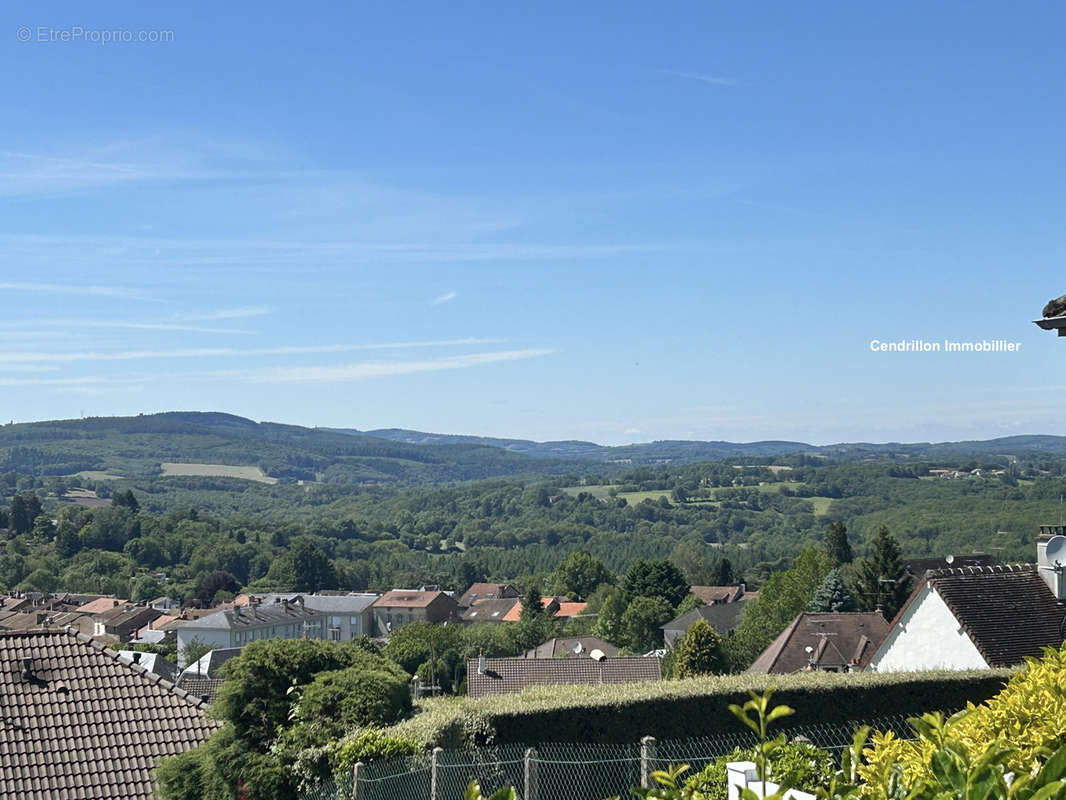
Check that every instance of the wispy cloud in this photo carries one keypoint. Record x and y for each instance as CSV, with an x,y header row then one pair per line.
x,y
302,374
209,352
714,80
115,324
87,380
242,312
444,298
73,288
379,369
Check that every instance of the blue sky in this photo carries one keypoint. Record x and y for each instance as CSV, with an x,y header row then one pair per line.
x,y
616,222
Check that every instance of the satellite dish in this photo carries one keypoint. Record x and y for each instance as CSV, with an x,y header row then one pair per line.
x,y
808,649
1056,550
598,655
578,648
950,559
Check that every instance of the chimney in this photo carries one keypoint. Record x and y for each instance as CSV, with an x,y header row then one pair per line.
x,y
1051,558
27,669
136,658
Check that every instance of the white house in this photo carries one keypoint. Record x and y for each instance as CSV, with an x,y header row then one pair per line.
x,y
238,626
980,617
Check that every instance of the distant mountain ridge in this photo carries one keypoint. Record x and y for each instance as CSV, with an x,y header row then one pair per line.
x,y
144,445
694,450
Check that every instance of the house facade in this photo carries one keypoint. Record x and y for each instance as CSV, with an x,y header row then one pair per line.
x,y
973,618
348,616
401,607
238,626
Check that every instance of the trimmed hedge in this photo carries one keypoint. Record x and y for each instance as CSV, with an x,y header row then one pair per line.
x,y
686,708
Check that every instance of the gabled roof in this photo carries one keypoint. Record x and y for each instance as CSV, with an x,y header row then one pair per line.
x,y
919,566
153,662
487,591
564,648
550,604
86,724
723,617
1007,610
100,605
717,594
836,639
407,598
506,675
251,617
489,610
135,616
340,604
209,664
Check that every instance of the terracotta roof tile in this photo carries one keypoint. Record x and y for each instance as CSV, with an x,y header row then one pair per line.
x,y
86,724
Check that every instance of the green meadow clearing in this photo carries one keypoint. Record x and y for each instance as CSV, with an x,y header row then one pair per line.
x,y
603,492
216,471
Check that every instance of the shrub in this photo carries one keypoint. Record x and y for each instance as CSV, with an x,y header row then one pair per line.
x,y
353,697
685,708
699,652
1028,713
798,765
369,744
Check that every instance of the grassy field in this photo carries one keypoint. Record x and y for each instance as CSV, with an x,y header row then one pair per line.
x,y
217,471
97,475
599,491
602,491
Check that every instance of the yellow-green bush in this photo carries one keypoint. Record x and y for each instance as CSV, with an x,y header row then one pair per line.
x,y
1027,716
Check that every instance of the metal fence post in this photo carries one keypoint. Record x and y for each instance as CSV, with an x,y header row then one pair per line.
x,y
531,775
357,793
647,756
433,785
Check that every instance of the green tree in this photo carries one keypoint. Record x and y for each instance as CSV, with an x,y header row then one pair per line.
x,y
654,579
609,617
25,508
126,499
211,583
580,573
305,568
194,650
722,573
532,604
699,652
642,620
833,595
783,596
837,546
882,582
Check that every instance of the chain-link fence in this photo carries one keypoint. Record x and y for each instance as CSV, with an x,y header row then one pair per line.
x,y
575,771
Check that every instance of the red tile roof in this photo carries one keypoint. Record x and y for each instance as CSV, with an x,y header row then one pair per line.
x,y
515,614
571,609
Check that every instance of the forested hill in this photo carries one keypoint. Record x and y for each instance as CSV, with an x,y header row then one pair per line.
x,y
688,452
229,446
144,446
